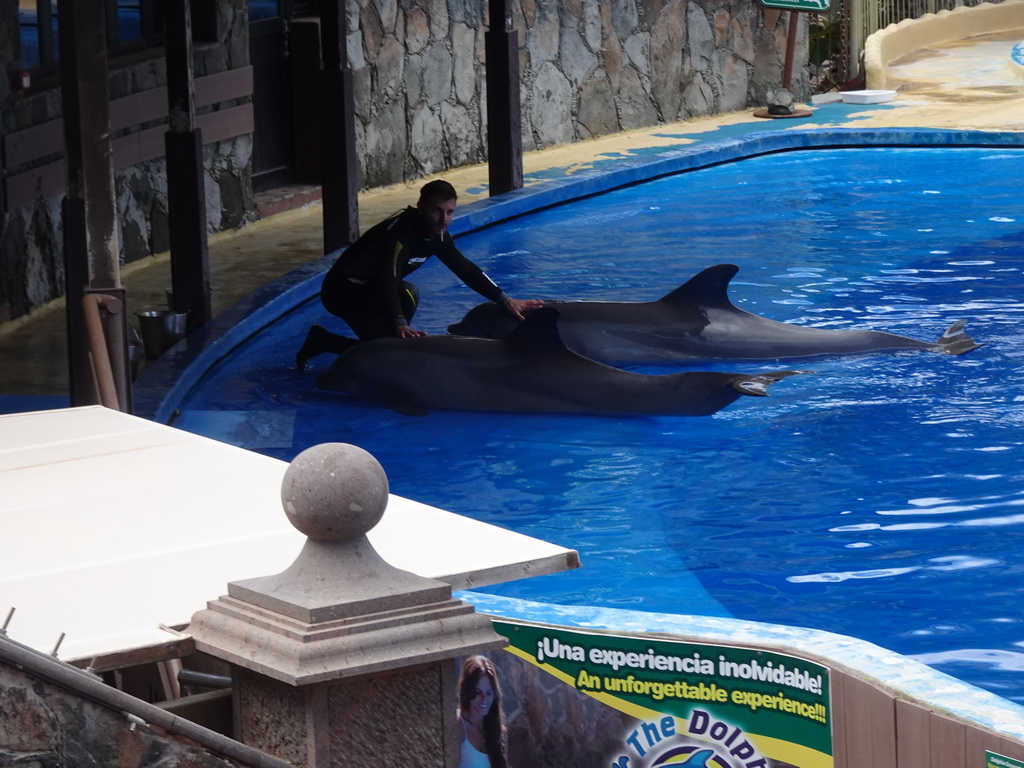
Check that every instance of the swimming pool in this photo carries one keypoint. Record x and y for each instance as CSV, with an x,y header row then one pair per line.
x,y
879,497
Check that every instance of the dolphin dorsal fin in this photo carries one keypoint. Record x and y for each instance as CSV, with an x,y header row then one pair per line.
x,y
709,288
538,333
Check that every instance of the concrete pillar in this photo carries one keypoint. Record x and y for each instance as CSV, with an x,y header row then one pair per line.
x,y
343,659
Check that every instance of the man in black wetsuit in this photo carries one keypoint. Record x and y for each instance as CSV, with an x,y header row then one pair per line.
x,y
367,289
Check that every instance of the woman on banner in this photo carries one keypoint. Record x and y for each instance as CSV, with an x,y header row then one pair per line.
x,y
481,720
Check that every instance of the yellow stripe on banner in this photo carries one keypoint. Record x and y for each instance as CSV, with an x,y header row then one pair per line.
x,y
788,752
778,749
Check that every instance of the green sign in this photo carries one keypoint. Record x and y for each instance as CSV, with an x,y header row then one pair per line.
x,y
992,760
703,704
815,6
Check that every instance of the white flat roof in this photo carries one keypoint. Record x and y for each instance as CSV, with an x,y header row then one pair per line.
x,y
112,526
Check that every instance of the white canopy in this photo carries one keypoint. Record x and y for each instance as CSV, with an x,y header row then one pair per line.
x,y
112,526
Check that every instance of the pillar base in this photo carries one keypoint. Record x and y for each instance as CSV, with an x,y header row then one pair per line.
x,y
403,718
298,653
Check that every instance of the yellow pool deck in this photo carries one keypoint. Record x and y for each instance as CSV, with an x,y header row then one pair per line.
x,y
964,84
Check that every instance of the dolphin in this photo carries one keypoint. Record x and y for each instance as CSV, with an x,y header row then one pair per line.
x,y
694,758
530,371
697,322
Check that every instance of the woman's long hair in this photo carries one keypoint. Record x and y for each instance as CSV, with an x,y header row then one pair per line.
x,y
493,729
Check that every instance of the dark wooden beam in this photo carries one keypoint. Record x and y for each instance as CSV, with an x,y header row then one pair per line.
x,y
91,243
340,184
504,111
76,281
791,36
186,192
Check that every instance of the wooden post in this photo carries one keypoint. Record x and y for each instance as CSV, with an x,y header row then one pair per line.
x,y
504,112
340,186
186,194
787,72
91,242
76,280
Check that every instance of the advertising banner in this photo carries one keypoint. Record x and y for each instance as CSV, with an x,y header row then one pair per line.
x,y
994,760
595,698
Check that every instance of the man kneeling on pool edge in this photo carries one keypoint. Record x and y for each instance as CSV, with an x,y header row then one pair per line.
x,y
367,289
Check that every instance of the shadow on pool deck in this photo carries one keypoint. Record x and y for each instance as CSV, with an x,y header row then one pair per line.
x,y
33,356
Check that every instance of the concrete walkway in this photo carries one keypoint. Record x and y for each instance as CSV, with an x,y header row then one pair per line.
x,y
947,86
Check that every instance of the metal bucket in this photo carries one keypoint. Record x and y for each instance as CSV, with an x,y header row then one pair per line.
x,y
161,329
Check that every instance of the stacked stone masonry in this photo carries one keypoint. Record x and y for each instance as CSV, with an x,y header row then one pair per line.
x,y
587,69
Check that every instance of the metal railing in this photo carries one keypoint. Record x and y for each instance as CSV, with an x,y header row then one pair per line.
x,y
869,16
837,37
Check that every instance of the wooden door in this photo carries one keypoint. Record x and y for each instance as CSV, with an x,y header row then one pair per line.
x,y
273,157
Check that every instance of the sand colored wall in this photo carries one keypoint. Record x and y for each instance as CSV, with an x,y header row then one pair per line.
x,y
897,40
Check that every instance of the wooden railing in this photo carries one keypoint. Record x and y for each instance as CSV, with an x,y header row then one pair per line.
x,y
106,339
34,159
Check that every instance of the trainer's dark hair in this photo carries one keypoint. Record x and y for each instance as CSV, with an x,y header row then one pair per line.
x,y
438,188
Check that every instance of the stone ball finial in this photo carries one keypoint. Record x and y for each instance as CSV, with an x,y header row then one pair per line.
x,y
334,492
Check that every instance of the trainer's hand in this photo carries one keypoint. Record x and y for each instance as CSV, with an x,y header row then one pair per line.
x,y
405,332
518,306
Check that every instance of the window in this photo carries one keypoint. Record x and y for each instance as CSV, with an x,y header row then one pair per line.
x,y
131,25
260,10
38,22
134,24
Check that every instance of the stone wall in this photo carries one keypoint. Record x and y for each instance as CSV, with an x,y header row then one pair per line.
x,y
48,717
587,69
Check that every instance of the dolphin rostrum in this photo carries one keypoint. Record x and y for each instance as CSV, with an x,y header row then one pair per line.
x,y
697,322
530,371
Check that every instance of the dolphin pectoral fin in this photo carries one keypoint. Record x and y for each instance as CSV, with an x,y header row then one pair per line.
x,y
756,385
955,341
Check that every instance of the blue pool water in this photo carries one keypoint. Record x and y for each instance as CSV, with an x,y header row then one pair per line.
x,y
881,496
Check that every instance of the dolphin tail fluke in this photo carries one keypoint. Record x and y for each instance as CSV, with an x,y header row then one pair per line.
x,y
756,385
955,341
